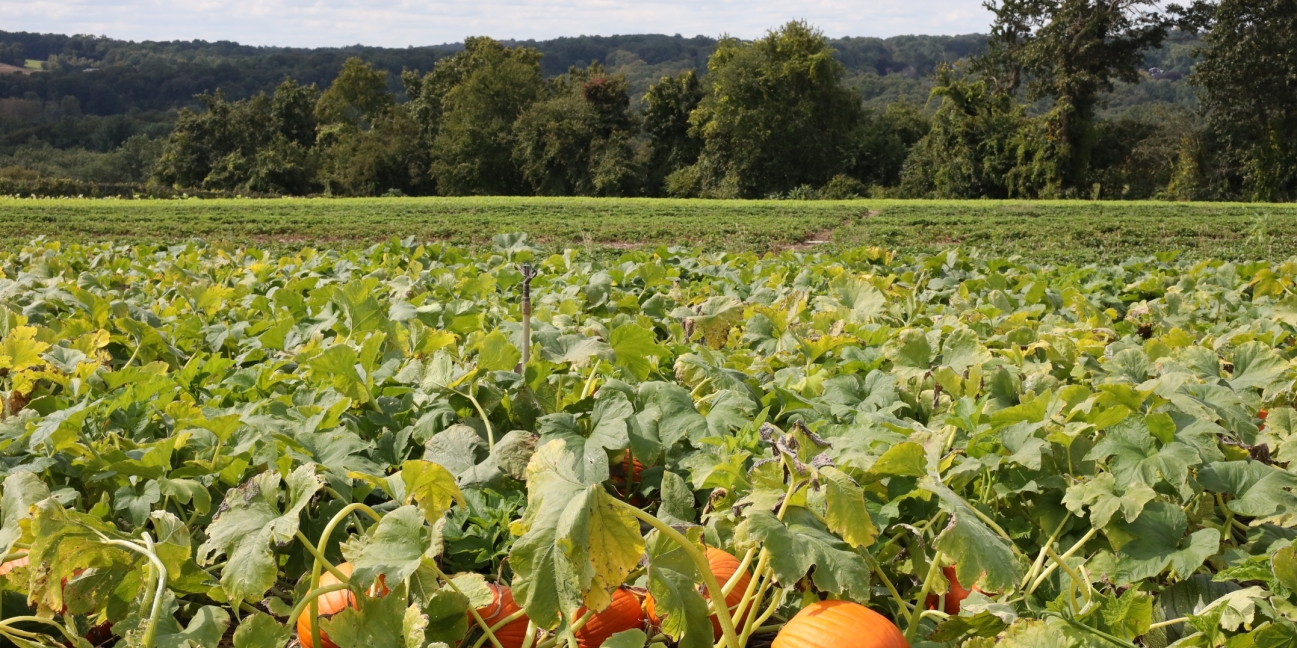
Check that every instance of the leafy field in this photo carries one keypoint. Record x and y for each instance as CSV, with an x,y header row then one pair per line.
x,y
213,447
1059,231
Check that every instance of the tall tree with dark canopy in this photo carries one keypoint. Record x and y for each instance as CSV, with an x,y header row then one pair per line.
x,y
1072,51
776,116
1248,78
466,108
668,104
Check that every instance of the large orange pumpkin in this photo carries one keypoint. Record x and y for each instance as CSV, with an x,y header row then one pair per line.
x,y
331,604
839,624
724,565
954,596
501,607
623,614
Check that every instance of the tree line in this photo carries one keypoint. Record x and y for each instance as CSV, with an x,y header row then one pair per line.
x,y
1026,115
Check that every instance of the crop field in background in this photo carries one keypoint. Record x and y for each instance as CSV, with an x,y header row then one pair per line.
x,y
1056,232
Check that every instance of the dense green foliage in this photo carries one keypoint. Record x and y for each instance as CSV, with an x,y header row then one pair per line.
x,y
1049,231
191,436
793,114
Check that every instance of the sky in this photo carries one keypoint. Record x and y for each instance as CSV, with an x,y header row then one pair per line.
x,y
401,23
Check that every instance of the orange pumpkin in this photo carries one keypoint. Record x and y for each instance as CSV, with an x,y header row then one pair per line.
x,y
623,614
333,603
1263,414
954,596
12,565
839,624
618,472
501,607
724,565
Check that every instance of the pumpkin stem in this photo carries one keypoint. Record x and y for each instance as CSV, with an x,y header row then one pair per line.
x,y
709,579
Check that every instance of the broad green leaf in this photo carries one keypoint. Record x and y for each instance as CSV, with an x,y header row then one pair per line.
x,y
714,317
496,353
395,550
260,630
906,459
577,543
1135,456
21,490
374,622
634,345
799,543
249,521
205,629
1259,490
1158,541
1129,615
668,413
1256,365
1105,499
859,296
961,350
430,486
673,581
447,616
634,638
574,349
338,365
911,354
845,509
677,505
981,556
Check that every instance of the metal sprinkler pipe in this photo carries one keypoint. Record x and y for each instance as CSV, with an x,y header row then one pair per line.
x,y
528,273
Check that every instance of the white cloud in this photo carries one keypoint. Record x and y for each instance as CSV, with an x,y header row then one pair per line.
x,y
400,23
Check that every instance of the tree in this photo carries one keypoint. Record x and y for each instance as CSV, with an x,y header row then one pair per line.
x,y
1071,51
579,142
776,116
262,144
368,144
669,102
1249,95
466,109
970,150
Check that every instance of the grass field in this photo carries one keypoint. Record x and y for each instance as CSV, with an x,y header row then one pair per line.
x,y
1057,231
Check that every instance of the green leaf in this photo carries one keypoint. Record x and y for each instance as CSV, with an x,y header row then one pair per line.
x,y
911,354
633,638
668,413
634,345
961,350
1105,498
205,629
714,318
447,617
673,581
981,556
574,349
1129,615
375,622
906,459
1134,455
21,490
1259,490
608,431
260,630
1158,542
395,550
799,543
1256,365
20,350
845,509
249,521
677,505
1284,566
430,486
576,544
496,353
338,365
859,296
